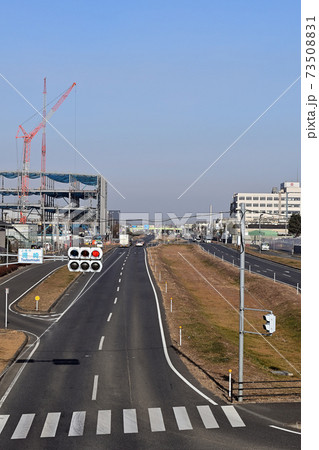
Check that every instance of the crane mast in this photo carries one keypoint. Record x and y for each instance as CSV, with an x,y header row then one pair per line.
x,y
27,138
44,145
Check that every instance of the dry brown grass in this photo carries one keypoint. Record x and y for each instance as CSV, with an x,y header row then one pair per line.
x,y
207,310
49,291
10,342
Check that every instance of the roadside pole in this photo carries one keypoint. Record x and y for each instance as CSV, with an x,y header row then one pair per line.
x,y
6,310
241,305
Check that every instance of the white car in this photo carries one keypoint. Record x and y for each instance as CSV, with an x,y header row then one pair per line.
x,y
139,243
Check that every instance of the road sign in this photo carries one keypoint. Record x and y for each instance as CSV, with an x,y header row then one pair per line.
x,y
30,256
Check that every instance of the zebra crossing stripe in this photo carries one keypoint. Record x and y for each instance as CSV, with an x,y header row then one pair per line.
x,y
156,419
77,423
103,425
182,418
103,422
130,421
51,425
233,416
207,417
23,427
3,421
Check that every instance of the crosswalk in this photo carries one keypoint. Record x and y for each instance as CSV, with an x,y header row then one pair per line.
x,y
50,424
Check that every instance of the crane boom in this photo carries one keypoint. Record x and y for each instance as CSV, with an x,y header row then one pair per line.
x,y
27,138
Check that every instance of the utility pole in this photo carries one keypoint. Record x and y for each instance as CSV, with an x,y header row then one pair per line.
x,y
241,305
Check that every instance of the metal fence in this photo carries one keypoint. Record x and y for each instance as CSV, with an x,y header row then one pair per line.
x,y
264,389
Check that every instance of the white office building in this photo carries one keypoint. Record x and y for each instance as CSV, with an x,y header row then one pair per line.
x,y
276,206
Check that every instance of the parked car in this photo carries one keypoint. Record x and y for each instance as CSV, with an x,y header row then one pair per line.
x,y
264,246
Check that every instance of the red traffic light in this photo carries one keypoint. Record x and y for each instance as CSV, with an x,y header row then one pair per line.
x,y
96,253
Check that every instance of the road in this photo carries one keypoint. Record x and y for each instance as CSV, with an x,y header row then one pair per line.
x,y
103,375
264,267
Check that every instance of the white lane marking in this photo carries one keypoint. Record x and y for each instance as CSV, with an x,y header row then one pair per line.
x,y
3,421
284,429
120,279
77,423
121,273
23,427
118,288
95,384
37,341
156,419
115,300
51,425
21,273
103,422
286,275
109,318
233,416
130,421
101,342
182,418
169,362
207,417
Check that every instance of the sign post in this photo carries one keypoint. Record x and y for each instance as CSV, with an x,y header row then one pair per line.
x,y
37,298
6,310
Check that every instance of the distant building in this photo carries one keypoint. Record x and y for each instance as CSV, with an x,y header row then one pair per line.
x,y
276,206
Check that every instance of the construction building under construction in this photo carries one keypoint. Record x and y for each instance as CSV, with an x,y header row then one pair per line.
x,y
68,201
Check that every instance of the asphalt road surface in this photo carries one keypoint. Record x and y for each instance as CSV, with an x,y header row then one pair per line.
x,y
260,266
101,374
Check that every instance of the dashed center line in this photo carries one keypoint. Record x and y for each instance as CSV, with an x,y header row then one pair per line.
x,y
120,279
118,288
95,383
115,300
109,318
101,342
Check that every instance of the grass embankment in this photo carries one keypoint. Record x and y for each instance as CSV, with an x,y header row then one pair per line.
x,y
10,343
207,311
49,291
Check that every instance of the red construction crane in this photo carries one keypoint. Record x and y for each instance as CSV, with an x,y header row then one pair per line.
x,y
27,138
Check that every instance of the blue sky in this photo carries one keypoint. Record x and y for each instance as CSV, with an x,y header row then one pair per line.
x,y
163,88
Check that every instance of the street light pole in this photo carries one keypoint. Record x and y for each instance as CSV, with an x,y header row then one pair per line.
x,y
241,306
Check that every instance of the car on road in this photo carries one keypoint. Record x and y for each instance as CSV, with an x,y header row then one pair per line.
x,y
264,246
139,243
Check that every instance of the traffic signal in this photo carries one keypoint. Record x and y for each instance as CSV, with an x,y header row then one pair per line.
x,y
270,324
85,259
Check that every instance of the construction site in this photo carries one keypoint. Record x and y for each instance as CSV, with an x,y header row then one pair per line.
x,y
49,209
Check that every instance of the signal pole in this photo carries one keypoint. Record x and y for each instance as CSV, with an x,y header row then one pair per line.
x,y
241,305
